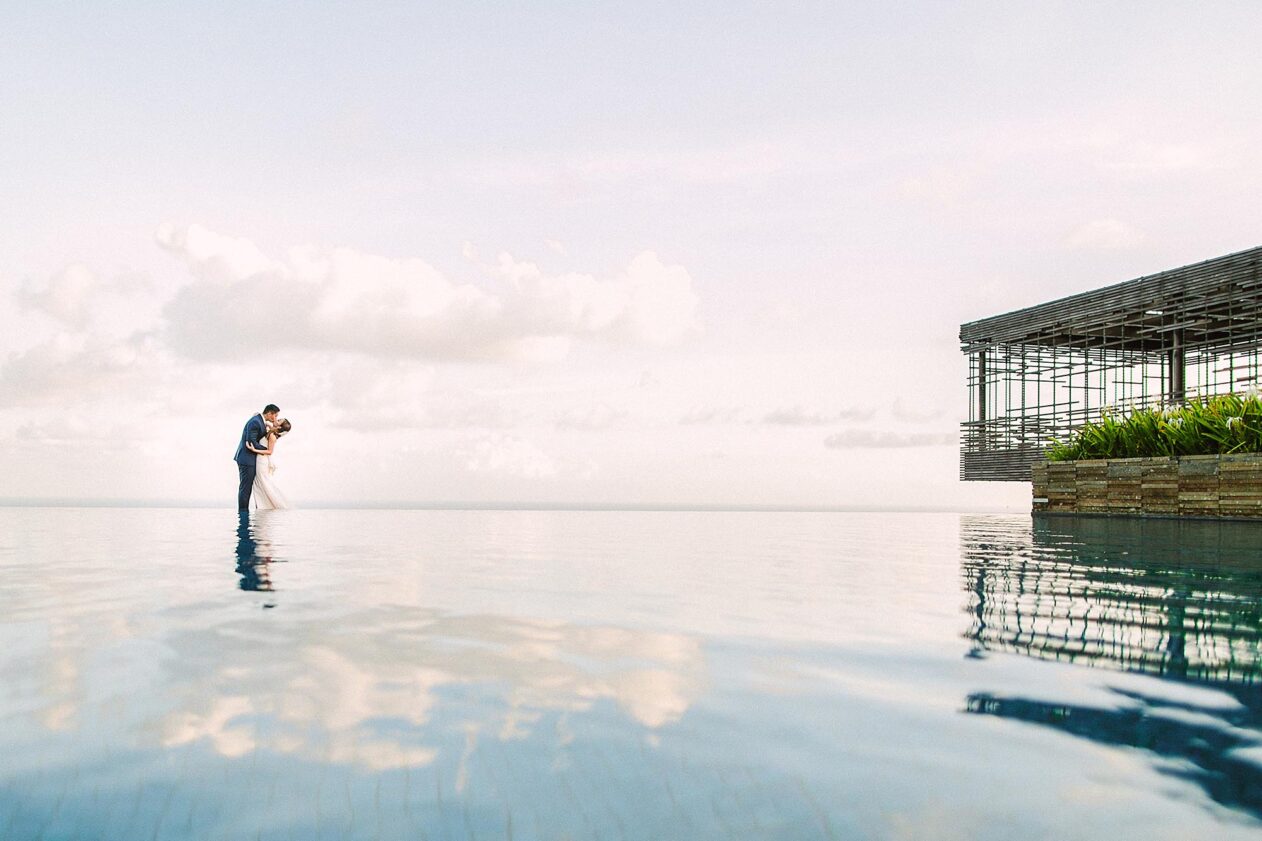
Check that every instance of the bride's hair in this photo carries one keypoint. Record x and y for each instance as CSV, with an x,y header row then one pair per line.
x,y
282,426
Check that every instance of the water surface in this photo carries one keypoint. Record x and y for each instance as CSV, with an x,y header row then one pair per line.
x,y
640,675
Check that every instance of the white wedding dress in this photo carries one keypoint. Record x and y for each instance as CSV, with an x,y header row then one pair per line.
x,y
266,495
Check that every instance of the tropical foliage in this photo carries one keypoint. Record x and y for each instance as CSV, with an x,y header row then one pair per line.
x,y
1227,423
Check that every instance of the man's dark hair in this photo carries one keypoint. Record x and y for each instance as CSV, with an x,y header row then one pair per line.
x,y
270,407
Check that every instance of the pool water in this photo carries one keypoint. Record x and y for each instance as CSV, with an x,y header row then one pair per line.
x,y
354,674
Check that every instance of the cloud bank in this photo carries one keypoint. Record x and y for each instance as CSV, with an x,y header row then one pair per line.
x,y
346,300
864,438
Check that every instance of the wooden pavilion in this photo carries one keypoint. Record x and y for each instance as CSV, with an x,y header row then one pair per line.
x,y
1037,374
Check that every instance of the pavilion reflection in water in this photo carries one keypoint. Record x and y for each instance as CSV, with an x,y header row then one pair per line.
x,y
1179,600
1174,598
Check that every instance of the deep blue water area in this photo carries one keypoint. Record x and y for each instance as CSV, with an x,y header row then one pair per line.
x,y
351,674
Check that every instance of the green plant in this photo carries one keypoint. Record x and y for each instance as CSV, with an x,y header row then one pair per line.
x,y
1226,423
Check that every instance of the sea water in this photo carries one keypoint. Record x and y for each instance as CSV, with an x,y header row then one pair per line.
x,y
370,674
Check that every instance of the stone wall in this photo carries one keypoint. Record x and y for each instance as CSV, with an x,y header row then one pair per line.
x,y
1186,486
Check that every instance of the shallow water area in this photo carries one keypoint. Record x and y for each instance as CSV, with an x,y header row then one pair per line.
x,y
182,673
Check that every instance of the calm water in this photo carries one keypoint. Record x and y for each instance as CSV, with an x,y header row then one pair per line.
x,y
626,675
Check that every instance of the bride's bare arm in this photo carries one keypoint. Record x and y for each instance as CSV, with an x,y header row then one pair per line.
x,y
271,445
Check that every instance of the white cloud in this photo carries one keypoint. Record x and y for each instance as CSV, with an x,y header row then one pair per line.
x,y
789,416
904,411
708,415
349,301
434,410
73,368
65,296
591,418
797,416
394,395
868,439
376,395
662,306
332,336
1105,234
649,303
1155,159
469,411
80,299
71,430
508,454
213,256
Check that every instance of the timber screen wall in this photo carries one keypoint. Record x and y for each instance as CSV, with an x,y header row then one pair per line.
x,y
1035,375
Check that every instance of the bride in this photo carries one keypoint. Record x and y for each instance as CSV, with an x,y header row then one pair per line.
x,y
265,494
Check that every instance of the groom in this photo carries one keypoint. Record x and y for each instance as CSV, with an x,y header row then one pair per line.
x,y
254,433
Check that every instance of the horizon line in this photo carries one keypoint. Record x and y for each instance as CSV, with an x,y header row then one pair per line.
x,y
467,505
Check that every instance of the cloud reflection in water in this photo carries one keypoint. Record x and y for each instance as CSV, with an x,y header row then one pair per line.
x,y
367,698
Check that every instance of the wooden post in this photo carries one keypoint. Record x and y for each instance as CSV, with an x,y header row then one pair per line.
x,y
1176,364
981,398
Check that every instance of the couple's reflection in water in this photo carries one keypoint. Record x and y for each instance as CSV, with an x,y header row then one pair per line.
x,y
1177,600
255,553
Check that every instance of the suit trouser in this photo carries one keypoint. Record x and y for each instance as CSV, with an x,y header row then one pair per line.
x,y
247,472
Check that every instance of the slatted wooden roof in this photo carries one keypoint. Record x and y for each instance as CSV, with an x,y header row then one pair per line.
x,y
1213,303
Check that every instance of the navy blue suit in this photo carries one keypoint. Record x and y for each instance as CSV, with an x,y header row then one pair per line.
x,y
255,432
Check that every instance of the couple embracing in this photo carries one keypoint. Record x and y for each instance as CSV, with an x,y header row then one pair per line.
x,y
254,460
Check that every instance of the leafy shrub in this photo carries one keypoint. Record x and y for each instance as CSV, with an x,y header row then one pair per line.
x,y
1227,423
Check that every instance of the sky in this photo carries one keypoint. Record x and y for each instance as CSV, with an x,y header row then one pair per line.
x,y
701,254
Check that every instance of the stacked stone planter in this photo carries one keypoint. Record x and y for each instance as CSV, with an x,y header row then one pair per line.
x,y
1090,481
1186,486
1240,486
1159,486
1198,485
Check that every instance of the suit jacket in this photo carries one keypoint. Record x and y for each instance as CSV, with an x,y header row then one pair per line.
x,y
255,431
